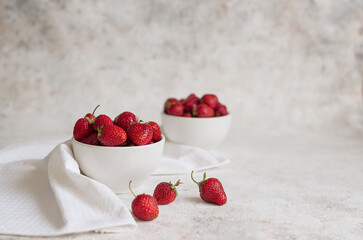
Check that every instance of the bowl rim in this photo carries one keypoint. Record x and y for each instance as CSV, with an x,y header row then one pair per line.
x,y
161,141
197,118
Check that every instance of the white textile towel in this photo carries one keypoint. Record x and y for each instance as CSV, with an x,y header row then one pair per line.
x,y
182,159
49,197
44,194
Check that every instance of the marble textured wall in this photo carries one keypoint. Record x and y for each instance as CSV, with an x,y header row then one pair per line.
x,y
279,65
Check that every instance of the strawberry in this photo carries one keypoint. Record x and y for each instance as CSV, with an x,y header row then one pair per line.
x,y
91,139
192,95
82,129
156,131
203,110
124,120
190,103
211,190
176,109
221,110
210,99
165,192
140,133
102,120
91,116
111,135
169,102
187,114
144,206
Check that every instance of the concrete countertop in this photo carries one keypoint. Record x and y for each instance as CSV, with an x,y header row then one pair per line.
x,y
278,187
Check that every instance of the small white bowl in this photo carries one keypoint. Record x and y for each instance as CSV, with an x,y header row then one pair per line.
x,y
206,133
116,166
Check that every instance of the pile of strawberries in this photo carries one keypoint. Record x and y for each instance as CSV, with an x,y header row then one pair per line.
x,y
145,207
124,130
192,106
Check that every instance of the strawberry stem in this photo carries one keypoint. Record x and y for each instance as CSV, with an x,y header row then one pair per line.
x,y
93,113
131,189
173,186
99,131
90,119
177,183
194,111
199,183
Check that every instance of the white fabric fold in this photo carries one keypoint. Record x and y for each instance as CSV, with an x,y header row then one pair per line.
x,y
49,197
43,193
182,159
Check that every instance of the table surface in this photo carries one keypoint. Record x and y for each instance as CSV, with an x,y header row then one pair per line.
x,y
278,187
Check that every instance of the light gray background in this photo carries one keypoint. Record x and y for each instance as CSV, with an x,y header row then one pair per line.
x,y
280,66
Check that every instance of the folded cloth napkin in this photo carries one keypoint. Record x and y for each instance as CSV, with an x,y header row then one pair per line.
x,y
182,159
49,196
44,194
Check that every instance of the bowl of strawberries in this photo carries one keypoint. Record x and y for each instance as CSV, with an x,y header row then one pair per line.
x,y
203,122
114,152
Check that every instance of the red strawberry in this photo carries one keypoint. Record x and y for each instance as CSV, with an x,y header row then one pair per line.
x,y
221,110
91,116
192,95
140,133
210,99
111,135
211,190
176,109
190,103
187,114
124,120
91,139
82,129
165,192
156,131
169,102
144,206
203,110
102,120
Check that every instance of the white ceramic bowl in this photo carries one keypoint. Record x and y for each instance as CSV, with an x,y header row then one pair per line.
x,y
206,133
116,166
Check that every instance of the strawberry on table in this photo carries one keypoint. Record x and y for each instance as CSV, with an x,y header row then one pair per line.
x,y
211,190
166,193
144,206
